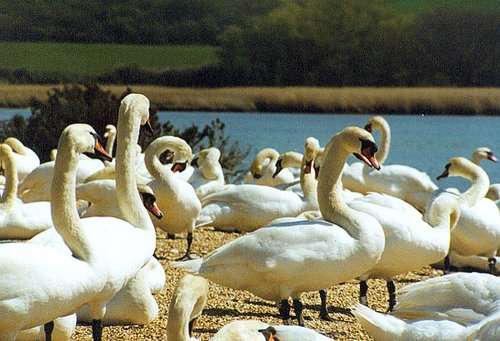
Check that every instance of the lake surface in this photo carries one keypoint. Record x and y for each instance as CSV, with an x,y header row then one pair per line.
x,y
423,142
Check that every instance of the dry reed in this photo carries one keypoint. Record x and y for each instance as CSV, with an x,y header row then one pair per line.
x,y
429,100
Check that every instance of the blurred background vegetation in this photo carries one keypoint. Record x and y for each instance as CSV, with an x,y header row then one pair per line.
x,y
214,43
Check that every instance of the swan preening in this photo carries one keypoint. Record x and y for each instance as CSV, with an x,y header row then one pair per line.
x,y
287,259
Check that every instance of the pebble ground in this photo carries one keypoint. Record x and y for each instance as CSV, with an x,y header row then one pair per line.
x,y
225,305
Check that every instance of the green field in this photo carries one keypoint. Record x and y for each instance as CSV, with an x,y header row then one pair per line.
x,y
417,6
95,59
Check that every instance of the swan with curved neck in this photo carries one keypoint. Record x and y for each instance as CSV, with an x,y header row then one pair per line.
x,y
400,181
478,229
248,207
25,303
263,167
485,153
411,243
174,195
208,176
25,158
287,259
17,219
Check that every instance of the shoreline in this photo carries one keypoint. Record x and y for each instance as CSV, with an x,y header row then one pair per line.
x,y
365,100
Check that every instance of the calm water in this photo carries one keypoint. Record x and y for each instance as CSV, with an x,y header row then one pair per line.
x,y
424,142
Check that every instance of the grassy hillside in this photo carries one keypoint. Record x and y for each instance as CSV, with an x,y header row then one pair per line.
x,y
95,59
417,6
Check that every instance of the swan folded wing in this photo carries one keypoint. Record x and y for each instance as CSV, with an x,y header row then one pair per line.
x,y
408,179
289,247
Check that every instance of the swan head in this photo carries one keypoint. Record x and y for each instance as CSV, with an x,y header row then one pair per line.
x,y
270,154
361,144
110,131
376,123
317,161
211,154
484,153
149,200
137,103
287,159
84,139
311,147
459,166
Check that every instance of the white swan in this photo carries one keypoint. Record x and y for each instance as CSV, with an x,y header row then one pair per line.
x,y
485,153
187,303
208,176
410,242
25,303
446,308
175,197
249,207
19,220
263,167
98,269
390,328
478,230
285,260
25,158
110,136
400,181
288,160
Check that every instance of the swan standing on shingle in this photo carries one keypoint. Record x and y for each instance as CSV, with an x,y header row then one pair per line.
x,y
285,260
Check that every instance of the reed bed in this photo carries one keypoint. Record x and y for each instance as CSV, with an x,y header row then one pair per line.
x,y
421,100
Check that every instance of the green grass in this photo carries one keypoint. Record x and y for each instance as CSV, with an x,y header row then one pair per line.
x,y
417,6
95,59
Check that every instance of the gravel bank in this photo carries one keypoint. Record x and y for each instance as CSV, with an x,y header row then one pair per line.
x,y
225,305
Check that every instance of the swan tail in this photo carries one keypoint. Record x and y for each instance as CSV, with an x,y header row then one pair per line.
x,y
192,266
380,326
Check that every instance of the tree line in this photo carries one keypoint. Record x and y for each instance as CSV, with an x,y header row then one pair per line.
x,y
280,42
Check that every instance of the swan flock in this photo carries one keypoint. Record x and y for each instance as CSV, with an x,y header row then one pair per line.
x,y
79,237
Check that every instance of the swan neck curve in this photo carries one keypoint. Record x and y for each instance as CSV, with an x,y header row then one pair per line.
x,y
63,200
479,187
11,181
385,142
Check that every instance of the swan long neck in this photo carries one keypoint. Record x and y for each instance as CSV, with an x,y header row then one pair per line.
x,y
129,200
110,142
63,201
331,204
11,181
444,214
308,181
153,164
385,142
479,187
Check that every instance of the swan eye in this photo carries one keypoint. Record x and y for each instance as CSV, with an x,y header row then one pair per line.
x,y
194,162
368,127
